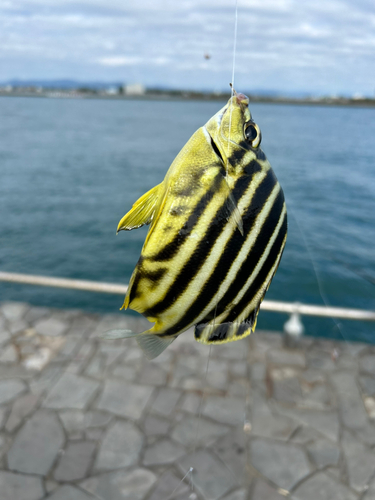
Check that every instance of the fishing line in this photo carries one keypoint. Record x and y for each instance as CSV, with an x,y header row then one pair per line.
x,y
233,71
190,471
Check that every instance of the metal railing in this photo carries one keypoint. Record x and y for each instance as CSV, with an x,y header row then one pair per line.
x,y
267,305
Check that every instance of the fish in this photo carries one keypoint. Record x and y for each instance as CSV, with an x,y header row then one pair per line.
x,y
218,227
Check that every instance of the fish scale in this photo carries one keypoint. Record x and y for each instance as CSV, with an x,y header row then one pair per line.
x,y
218,227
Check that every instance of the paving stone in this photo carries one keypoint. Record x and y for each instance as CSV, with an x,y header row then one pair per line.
x,y
51,326
120,446
68,492
20,409
239,369
370,407
165,401
75,462
50,485
73,420
47,379
94,434
197,431
286,357
97,419
156,426
20,487
237,495
121,485
324,453
325,422
352,410
209,477
3,415
367,363
263,491
318,396
320,360
167,485
322,487
71,391
9,354
283,464
125,400
360,462
17,326
368,385
370,494
287,390
152,374
217,375
10,389
190,403
278,427
127,373
164,451
4,334
231,450
228,410
13,311
41,438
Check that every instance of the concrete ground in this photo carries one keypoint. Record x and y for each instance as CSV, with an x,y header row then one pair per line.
x,y
82,418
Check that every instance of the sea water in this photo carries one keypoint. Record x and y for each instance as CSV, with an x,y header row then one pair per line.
x,y
71,168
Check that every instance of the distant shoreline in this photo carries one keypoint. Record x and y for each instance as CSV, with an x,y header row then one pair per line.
x,y
193,96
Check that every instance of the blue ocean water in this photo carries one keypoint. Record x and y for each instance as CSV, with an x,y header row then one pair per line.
x,y
70,169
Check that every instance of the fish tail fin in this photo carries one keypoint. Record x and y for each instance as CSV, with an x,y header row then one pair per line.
x,y
151,344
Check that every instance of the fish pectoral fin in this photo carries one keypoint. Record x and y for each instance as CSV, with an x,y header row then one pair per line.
x,y
117,334
152,344
142,212
232,208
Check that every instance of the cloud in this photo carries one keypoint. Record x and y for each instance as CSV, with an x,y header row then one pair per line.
x,y
289,44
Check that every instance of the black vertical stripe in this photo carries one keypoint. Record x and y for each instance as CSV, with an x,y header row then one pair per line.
x,y
231,251
203,248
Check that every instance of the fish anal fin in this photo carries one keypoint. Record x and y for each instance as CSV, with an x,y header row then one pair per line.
x,y
142,211
152,344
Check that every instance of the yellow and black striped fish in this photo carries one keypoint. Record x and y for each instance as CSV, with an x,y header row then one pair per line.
x,y
218,227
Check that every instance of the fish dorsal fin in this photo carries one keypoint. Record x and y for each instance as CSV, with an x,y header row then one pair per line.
x,y
142,212
232,208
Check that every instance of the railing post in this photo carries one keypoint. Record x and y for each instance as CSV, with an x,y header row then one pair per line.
x,y
293,328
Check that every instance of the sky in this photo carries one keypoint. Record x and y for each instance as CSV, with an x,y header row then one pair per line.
x,y
318,47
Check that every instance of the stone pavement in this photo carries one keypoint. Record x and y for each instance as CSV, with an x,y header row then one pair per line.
x,y
82,418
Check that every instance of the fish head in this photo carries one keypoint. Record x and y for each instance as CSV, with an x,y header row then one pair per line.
x,y
233,129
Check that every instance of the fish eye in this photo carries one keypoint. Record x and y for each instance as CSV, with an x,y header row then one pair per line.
x,y
252,134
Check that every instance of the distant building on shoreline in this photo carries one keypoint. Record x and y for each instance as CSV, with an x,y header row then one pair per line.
x,y
134,89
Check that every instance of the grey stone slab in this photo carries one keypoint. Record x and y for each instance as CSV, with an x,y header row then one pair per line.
x,y
323,453
360,462
126,400
166,401
20,487
228,410
152,374
9,354
51,326
97,419
319,396
209,477
121,485
127,373
75,461
325,422
169,486
20,409
288,357
10,389
4,335
370,493
368,385
71,391
69,492
287,390
94,434
278,427
73,420
14,311
17,326
263,491
120,447
163,451
47,379
156,426
367,363
322,487
217,375
190,403
283,464
37,444
231,449
197,431
241,494
320,360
